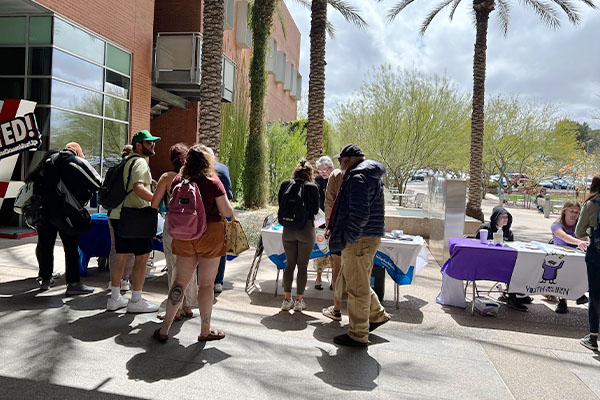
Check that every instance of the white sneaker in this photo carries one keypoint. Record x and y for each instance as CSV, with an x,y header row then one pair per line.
x,y
218,287
125,286
141,306
114,305
287,304
299,305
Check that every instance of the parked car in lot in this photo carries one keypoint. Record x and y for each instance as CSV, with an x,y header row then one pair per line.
x,y
547,184
560,184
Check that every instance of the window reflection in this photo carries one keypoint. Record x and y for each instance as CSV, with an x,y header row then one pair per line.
x,y
76,70
117,109
70,127
76,98
115,138
77,41
116,84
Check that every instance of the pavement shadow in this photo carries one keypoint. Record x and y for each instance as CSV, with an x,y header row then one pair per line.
x,y
166,361
539,320
408,311
97,327
349,369
325,330
287,321
25,294
90,302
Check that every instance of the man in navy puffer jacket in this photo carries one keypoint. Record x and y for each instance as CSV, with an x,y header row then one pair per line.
x,y
356,226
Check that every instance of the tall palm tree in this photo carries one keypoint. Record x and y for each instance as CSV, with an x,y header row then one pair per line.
x,y
316,81
209,131
255,169
549,14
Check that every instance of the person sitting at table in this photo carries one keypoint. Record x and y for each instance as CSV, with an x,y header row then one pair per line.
x,y
199,256
587,225
298,200
563,234
502,220
160,200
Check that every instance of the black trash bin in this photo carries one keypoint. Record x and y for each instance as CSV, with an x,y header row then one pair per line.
x,y
378,281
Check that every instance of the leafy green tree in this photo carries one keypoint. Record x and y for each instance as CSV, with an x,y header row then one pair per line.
x,y
548,12
407,121
287,145
234,129
255,180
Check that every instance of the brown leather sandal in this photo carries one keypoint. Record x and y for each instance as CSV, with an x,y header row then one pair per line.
x,y
160,337
214,334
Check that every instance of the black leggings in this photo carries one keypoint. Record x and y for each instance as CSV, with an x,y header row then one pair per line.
x,y
45,252
298,245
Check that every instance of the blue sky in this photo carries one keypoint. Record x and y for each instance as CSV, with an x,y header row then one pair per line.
x,y
561,66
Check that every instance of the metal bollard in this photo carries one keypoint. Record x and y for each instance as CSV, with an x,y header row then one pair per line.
x,y
547,206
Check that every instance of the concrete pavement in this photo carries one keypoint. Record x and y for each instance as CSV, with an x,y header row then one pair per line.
x,y
57,347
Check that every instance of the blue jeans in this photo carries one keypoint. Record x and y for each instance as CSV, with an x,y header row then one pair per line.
x,y
221,272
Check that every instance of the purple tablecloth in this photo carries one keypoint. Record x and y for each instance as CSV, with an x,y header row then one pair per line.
x,y
470,260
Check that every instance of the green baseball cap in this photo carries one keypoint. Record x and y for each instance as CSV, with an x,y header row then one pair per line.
x,y
141,136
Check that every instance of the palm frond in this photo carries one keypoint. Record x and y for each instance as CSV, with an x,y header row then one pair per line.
x,y
330,29
348,11
281,18
503,14
432,15
304,3
589,3
394,11
545,11
570,9
454,5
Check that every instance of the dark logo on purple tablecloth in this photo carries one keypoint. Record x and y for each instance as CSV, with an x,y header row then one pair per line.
x,y
552,263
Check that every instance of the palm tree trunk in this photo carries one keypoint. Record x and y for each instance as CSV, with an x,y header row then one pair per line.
x,y
255,179
482,15
316,82
209,131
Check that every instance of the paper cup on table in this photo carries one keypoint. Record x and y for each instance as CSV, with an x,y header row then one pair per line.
x,y
483,236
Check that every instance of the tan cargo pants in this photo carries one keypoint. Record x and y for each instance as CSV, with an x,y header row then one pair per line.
x,y
354,280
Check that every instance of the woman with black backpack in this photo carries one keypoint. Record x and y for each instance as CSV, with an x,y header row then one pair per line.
x,y
588,226
298,203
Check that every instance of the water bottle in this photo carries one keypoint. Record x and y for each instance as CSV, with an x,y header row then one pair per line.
x,y
498,237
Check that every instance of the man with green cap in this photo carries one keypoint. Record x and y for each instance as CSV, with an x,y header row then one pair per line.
x,y
139,196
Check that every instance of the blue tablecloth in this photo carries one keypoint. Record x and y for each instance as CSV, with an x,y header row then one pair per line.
x,y
96,242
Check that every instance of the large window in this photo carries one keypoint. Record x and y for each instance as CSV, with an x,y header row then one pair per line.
x,y
80,81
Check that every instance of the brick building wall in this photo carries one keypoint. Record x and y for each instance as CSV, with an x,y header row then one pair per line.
x,y
128,24
174,126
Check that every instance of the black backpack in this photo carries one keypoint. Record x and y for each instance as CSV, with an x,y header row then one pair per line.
x,y
62,209
292,210
113,190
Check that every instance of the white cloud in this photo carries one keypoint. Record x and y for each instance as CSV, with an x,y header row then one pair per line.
x,y
560,67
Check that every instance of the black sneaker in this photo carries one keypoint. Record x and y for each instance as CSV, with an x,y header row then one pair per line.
x,y
375,325
345,340
46,284
582,300
561,307
524,299
590,341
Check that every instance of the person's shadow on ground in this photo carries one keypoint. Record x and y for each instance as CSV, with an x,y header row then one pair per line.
x,y
287,321
97,327
349,369
170,360
25,294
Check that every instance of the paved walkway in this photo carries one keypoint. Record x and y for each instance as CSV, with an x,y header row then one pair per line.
x,y
57,347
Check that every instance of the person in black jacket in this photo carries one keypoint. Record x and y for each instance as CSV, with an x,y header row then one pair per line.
x,y
81,180
500,219
355,227
298,243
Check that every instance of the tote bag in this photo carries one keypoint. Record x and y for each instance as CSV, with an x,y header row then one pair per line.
x,y
236,241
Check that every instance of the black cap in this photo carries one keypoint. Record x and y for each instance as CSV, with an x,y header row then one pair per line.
x,y
350,150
